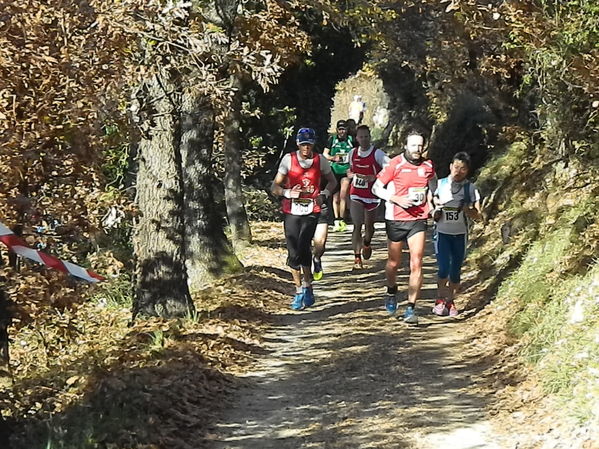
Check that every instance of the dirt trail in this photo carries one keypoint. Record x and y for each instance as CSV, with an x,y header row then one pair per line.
x,y
345,375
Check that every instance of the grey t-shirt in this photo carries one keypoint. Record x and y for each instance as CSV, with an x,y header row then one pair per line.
x,y
285,165
451,196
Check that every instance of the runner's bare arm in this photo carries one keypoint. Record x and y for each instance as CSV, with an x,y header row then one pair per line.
x,y
402,201
326,192
327,155
331,182
382,158
379,190
350,174
474,211
430,198
277,188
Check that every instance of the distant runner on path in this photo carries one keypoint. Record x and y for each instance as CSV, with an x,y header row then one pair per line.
x,y
298,183
351,130
456,199
337,153
356,109
365,163
410,181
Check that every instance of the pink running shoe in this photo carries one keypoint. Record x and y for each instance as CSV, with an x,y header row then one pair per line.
x,y
453,310
440,307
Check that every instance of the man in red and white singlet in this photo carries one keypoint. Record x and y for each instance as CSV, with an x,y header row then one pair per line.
x,y
298,183
409,180
365,163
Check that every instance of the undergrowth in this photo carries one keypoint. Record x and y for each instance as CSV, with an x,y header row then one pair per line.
x,y
542,216
90,379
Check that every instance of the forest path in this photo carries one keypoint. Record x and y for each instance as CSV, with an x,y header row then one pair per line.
x,y
342,374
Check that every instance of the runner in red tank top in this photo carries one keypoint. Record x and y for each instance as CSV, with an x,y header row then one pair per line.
x,y
410,181
365,162
298,183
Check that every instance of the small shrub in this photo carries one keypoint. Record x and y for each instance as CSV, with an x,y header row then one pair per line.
x,y
261,205
116,292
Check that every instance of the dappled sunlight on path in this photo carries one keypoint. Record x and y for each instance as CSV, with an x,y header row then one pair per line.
x,y
343,374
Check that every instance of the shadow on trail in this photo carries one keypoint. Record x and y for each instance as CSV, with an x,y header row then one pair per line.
x,y
343,374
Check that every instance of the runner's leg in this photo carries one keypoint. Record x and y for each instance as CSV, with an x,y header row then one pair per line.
x,y
320,239
306,234
337,207
416,246
443,253
343,197
356,210
393,262
292,227
458,252
370,218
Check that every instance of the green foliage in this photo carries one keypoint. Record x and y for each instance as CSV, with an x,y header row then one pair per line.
x,y
116,293
558,44
565,343
302,98
115,165
531,284
261,205
267,130
503,166
157,340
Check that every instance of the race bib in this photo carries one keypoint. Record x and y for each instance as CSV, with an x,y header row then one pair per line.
x,y
343,158
417,195
302,206
452,214
359,182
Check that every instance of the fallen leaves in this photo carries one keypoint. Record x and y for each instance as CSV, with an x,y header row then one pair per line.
x,y
157,384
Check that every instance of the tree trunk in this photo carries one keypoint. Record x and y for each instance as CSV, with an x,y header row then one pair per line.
x,y
238,220
208,252
5,322
158,242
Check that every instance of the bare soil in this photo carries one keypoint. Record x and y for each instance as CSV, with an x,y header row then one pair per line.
x,y
343,374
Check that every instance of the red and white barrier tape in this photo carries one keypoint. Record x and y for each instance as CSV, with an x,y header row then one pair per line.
x,y
18,246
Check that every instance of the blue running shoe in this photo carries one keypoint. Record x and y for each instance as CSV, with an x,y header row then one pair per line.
x,y
390,304
298,301
410,316
308,296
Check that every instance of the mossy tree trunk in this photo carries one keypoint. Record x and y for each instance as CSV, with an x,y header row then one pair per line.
x,y
208,252
236,213
159,238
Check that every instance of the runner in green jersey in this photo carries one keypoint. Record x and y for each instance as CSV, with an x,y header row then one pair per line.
x,y
337,152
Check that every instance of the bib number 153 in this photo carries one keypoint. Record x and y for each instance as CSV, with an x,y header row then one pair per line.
x,y
451,214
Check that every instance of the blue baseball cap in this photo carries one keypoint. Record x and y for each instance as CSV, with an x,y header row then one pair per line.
x,y
306,135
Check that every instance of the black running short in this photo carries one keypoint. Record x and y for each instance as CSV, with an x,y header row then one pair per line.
x,y
339,177
401,231
325,213
299,230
